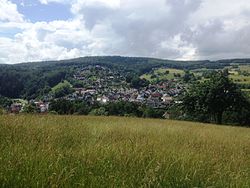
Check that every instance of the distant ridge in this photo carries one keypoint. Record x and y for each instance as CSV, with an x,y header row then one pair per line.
x,y
135,58
134,62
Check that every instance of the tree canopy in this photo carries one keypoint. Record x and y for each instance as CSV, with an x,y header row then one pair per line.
x,y
209,101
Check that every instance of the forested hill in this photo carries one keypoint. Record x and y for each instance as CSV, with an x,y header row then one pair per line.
x,y
134,63
29,80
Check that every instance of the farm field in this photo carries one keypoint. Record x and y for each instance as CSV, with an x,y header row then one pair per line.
x,y
78,151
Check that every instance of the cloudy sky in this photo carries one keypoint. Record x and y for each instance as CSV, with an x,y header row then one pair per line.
x,y
34,30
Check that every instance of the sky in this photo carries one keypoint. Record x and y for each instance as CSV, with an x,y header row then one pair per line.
x,y
37,30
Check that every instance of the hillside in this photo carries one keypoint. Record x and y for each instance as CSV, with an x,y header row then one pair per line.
x,y
33,80
126,86
78,151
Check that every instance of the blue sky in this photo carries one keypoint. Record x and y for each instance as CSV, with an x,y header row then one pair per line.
x,y
36,30
36,11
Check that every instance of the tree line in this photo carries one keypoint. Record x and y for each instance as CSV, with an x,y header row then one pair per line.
x,y
120,108
215,100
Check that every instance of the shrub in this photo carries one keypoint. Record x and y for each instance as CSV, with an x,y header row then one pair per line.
x,y
99,112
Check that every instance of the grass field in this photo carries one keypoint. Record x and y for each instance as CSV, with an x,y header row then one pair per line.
x,y
75,151
239,78
245,68
161,74
65,83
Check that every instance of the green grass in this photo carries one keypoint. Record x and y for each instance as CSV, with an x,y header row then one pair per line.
x,y
240,79
245,68
161,74
65,83
75,151
234,74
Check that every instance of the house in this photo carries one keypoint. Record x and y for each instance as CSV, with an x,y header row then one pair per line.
x,y
140,98
103,99
133,97
156,95
152,103
167,99
42,106
178,102
79,91
91,91
16,108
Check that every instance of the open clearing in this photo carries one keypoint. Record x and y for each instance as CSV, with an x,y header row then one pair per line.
x,y
162,75
77,151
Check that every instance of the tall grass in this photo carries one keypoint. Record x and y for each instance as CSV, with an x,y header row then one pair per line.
x,y
73,151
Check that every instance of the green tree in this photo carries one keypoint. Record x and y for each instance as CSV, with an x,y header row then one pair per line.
x,y
137,82
5,102
188,76
123,108
62,89
30,108
99,112
149,112
62,107
209,100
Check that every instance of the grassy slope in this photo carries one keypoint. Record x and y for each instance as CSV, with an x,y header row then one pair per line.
x,y
241,79
245,68
234,75
72,151
65,83
161,72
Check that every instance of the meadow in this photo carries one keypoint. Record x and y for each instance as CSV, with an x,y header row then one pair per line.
x,y
162,75
239,77
79,151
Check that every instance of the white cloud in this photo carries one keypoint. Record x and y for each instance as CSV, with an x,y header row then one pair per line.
x,y
53,1
183,29
214,9
8,12
45,41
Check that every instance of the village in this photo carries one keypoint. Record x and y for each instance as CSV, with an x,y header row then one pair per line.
x,y
103,85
